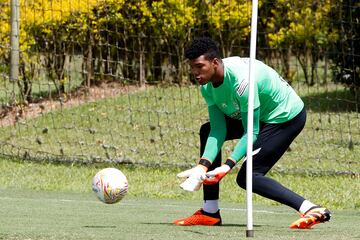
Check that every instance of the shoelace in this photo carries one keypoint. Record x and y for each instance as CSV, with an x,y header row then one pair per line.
x,y
319,216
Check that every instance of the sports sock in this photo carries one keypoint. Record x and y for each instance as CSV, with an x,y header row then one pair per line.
x,y
306,206
211,206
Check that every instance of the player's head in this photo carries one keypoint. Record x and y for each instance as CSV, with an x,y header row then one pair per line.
x,y
202,46
204,58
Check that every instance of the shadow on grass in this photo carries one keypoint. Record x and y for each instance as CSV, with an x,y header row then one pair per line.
x,y
98,226
332,101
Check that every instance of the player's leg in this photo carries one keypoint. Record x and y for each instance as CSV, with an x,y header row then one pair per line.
x,y
209,214
274,140
211,192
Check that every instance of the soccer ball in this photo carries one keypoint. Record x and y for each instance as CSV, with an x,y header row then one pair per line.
x,y
110,185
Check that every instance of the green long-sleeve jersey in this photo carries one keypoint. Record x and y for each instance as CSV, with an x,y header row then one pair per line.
x,y
275,101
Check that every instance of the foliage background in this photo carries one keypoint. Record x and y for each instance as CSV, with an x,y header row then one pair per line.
x,y
143,41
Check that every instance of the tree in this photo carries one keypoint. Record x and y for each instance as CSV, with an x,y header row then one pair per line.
x,y
230,21
307,32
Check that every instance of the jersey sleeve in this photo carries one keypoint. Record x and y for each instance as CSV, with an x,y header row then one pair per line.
x,y
217,134
240,148
242,95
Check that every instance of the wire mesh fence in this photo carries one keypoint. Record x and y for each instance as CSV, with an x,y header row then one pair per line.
x,y
106,81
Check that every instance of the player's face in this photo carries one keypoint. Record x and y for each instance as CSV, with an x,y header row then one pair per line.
x,y
203,69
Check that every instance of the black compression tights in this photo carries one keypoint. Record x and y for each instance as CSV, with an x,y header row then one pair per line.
x,y
274,140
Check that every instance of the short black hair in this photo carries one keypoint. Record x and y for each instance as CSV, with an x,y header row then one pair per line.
x,y
202,46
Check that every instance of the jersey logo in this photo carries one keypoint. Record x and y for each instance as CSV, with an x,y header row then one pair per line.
x,y
241,89
224,105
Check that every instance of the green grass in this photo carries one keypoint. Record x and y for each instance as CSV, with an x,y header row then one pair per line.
x,y
335,192
148,126
160,126
42,86
41,89
70,216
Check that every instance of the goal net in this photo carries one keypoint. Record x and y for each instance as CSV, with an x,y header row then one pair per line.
x,y
106,80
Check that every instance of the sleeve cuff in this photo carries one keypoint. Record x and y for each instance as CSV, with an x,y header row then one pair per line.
x,y
231,163
205,162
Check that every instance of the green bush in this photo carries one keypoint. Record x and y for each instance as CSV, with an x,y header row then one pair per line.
x,y
141,42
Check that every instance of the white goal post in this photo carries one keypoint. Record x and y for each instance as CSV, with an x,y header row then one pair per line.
x,y
250,125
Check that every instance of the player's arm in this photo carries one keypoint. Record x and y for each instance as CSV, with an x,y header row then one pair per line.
x,y
242,95
216,138
240,148
239,151
243,99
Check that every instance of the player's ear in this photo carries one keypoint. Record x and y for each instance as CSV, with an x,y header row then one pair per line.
x,y
216,62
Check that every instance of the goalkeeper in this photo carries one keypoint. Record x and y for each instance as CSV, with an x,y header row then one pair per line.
x,y
279,116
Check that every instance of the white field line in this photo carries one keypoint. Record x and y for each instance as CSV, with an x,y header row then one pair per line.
x,y
132,203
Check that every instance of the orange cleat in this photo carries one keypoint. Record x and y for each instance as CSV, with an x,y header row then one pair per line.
x,y
200,218
312,217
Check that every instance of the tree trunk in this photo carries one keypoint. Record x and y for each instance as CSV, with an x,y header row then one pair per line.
x,y
89,60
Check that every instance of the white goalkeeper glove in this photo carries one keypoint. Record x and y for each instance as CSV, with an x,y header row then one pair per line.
x,y
195,176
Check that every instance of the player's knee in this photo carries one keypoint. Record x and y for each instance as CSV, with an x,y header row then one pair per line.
x,y
241,179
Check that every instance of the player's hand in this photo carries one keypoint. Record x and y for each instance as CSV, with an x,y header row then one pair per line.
x,y
214,176
195,176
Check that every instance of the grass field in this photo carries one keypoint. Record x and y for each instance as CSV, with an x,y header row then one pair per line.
x,y
335,192
45,199
44,215
41,201
160,126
